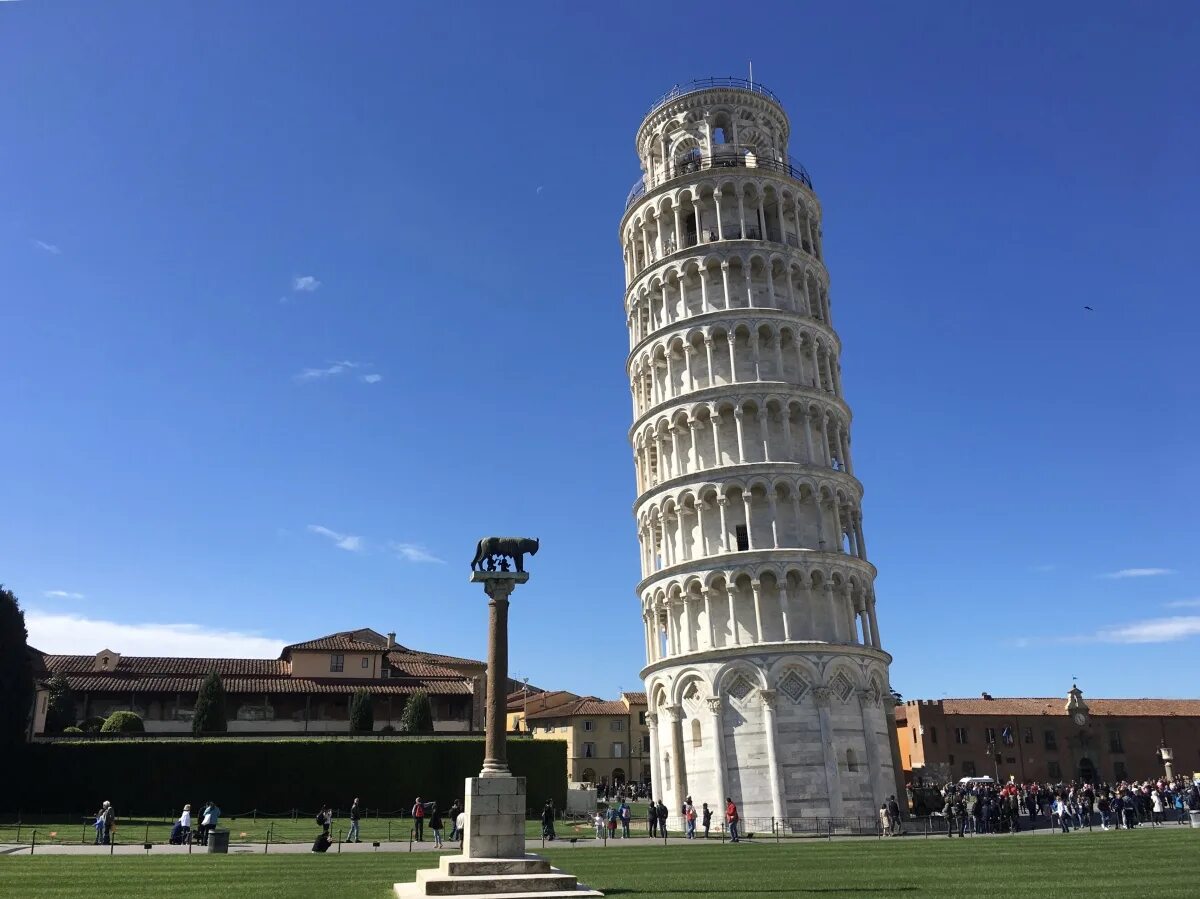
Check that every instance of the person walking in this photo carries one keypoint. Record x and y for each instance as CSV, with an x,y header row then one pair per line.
x,y
325,819
352,834
208,821
689,818
599,822
436,825
548,821
652,816
705,818
625,816
662,819
460,825
894,813
732,819
183,827
453,816
99,823
418,813
885,820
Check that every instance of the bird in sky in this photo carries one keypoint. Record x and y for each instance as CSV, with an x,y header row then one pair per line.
x,y
1089,308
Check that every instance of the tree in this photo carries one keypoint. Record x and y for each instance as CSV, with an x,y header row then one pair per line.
x,y
362,711
209,716
60,705
418,715
123,723
16,672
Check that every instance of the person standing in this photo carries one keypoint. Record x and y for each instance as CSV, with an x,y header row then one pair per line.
x,y
418,813
352,835
453,816
652,817
99,824
460,825
548,821
689,818
732,819
894,813
625,816
599,822
885,820
662,819
435,824
325,819
706,818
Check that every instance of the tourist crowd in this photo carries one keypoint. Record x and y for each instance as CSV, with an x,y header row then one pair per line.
x,y
995,808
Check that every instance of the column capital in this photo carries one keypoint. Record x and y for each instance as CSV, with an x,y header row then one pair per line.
x,y
652,720
768,698
674,712
867,696
823,695
715,704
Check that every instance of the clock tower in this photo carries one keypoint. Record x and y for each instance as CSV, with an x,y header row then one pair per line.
x,y
1076,707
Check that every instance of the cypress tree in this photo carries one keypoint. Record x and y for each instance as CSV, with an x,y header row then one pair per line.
x,y
362,711
209,716
16,673
60,705
418,715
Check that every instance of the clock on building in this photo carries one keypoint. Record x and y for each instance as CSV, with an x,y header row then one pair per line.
x,y
1081,718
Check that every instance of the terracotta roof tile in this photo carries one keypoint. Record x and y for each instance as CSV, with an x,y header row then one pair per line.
x,y
635,698
170,665
115,683
587,705
347,641
1057,706
542,701
438,658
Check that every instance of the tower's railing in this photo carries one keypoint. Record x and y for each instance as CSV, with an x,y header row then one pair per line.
x,y
730,156
703,84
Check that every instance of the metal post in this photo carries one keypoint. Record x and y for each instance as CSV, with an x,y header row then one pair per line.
x,y
411,834
389,831
33,844
339,841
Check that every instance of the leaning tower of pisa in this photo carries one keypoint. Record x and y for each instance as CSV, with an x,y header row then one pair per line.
x,y
765,676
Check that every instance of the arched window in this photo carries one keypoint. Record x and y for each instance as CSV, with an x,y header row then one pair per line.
x,y
697,737
851,761
589,776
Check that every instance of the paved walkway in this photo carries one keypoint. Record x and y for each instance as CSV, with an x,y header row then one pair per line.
x,y
453,848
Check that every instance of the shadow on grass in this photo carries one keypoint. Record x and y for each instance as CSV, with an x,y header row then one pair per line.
x,y
788,891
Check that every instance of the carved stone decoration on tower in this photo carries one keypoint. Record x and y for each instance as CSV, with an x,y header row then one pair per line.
x,y
756,591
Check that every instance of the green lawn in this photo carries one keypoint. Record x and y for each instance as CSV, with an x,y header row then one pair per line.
x,y
1117,864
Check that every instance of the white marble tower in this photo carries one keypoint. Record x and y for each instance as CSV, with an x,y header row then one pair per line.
x,y
765,677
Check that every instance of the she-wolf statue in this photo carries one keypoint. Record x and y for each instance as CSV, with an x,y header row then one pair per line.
x,y
491,552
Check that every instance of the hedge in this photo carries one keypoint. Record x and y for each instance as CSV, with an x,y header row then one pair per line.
x,y
156,777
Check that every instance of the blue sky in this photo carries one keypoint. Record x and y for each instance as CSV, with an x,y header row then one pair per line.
x,y
300,299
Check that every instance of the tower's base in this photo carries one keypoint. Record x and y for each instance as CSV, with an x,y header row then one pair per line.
x,y
494,878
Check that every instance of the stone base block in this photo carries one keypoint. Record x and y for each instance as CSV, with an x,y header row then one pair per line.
x,y
495,817
494,878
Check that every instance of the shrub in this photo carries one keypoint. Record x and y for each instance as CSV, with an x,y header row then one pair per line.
x,y
91,725
362,712
418,715
209,716
72,730
123,723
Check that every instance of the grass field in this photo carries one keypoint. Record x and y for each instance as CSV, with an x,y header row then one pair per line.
x,y
1096,865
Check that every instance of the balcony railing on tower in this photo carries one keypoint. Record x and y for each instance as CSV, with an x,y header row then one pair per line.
x,y
703,84
727,156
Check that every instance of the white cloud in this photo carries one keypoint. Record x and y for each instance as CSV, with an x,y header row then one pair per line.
x,y
342,541
77,635
50,248
415,552
334,368
61,594
372,379
1184,604
305,284
1138,572
1153,630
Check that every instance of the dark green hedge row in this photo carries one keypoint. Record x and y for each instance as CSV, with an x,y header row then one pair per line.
x,y
145,777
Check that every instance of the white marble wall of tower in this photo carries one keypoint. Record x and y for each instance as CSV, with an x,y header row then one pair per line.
x,y
765,674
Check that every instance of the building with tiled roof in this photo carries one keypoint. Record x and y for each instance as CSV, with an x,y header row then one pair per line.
x,y
306,690
607,740
1046,738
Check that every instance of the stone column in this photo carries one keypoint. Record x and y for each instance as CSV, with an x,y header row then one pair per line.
x,y
656,783
499,586
833,781
756,589
768,700
678,769
708,619
868,701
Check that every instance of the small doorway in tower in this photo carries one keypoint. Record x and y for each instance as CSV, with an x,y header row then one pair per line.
x,y
743,538
1087,771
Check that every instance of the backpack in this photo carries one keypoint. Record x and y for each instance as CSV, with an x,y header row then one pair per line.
x,y
320,820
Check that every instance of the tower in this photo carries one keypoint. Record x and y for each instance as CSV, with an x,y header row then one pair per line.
x,y
765,677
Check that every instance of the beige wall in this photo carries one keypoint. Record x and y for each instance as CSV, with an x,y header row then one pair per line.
x,y
308,663
603,762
